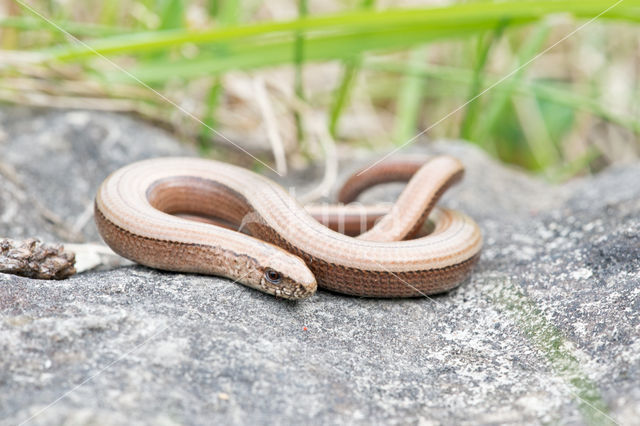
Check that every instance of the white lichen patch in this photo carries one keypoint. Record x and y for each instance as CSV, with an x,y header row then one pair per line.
x,y
168,352
581,274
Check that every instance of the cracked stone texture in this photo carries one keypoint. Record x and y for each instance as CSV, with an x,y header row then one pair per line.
x,y
545,331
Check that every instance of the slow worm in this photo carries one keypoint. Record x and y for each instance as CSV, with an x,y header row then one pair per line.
x,y
289,252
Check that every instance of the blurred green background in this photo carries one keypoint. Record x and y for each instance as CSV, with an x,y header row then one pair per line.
x,y
551,86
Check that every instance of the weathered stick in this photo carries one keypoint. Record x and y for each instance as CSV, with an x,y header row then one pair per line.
x,y
34,259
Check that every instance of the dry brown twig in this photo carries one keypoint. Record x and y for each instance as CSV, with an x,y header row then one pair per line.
x,y
271,124
323,189
318,129
34,259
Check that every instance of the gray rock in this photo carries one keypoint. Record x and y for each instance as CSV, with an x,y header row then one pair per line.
x,y
53,161
545,331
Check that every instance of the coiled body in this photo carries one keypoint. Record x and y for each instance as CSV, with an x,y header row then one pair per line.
x,y
289,252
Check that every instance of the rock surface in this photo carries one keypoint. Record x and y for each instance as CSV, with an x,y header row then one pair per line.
x,y
545,331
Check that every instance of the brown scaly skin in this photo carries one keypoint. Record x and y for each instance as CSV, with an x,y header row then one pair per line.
x,y
293,253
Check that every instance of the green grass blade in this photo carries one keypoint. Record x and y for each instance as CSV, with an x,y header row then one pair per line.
x,y
172,14
342,93
211,104
458,79
471,112
321,47
298,61
410,97
27,23
498,102
479,15
228,12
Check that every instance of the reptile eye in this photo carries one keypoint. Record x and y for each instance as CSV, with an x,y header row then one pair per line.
x,y
272,276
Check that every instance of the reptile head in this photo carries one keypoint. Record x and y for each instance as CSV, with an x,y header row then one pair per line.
x,y
288,277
